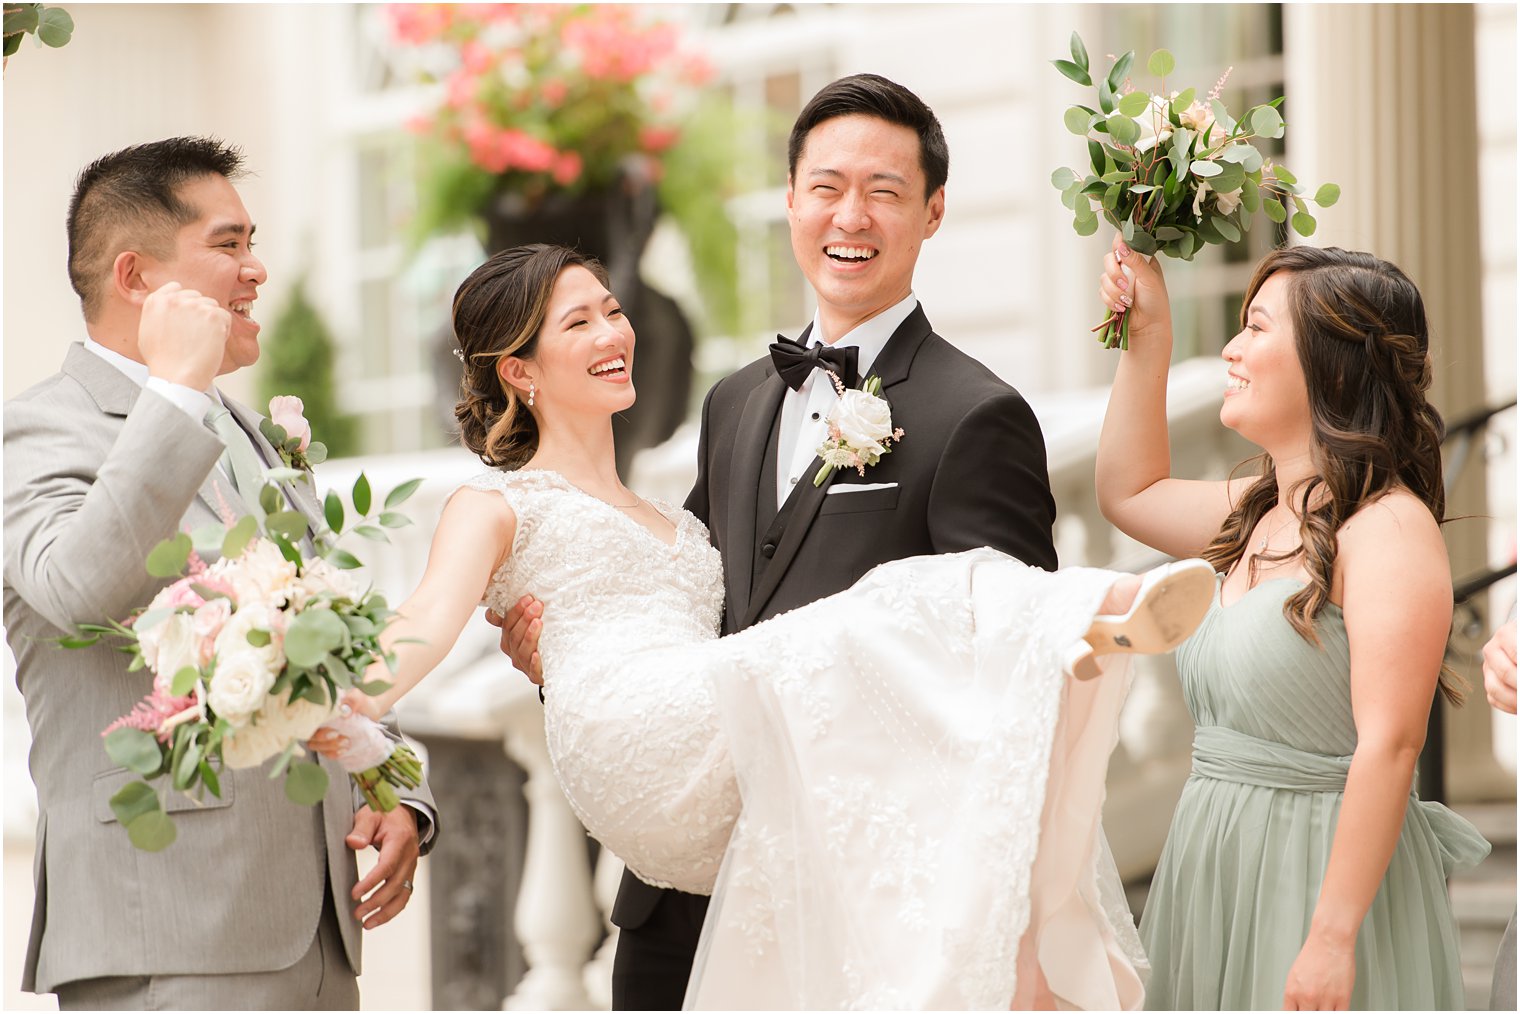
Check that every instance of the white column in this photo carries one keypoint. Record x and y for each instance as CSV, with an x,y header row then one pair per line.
x,y
556,919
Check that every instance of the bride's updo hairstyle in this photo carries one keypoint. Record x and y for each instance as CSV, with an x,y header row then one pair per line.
x,y
1363,343
498,312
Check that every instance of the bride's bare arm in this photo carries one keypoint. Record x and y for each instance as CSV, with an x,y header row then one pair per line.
x,y
473,539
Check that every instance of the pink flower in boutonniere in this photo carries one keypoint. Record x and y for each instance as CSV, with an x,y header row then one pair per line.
x,y
290,433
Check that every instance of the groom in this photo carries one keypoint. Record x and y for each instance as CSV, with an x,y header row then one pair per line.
x,y
866,169
254,904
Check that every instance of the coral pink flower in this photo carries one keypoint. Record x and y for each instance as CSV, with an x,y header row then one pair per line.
x,y
567,168
657,139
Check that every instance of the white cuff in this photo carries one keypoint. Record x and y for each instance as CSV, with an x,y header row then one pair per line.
x,y
188,400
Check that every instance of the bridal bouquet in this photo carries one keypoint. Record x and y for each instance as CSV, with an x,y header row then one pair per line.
x,y
249,656
1171,171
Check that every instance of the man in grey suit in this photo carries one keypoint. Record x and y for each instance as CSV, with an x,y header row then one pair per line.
x,y
248,908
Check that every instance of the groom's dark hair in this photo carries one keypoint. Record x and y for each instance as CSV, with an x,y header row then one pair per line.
x,y
130,198
874,95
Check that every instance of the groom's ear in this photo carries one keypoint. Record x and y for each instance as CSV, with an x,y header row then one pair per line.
x,y
936,216
127,278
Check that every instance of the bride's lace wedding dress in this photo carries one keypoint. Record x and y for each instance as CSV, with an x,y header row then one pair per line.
x,y
920,784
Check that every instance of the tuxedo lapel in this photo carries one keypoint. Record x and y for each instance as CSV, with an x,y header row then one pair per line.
x,y
746,465
791,526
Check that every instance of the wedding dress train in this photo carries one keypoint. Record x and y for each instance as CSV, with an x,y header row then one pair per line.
x,y
920,785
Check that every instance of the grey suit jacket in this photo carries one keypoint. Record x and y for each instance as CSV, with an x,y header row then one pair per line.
x,y
97,472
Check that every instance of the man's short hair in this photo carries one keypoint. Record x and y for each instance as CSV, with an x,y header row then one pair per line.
x,y
130,199
874,95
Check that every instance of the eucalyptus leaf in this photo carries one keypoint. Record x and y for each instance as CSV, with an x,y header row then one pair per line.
x,y
210,779
282,474
270,500
135,750
1111,197
1134,103
55,27
152,832
344,560
273,432
374,688
1266,122
184,680
1120,71
1250,196
1327,194
1225,228
306,783
1094,155
208,538
1142,242
1123,129
1185,99
1141,188
1078,51
186,768
311,635
1282,173
1106,97
360,626
291,524
283,761
1189,245
169,557
1071,196
1167,233
133,800
1085,226
1274,209
1062,178
400,494
1204,169
287,548
239,535
1303,223
372,533
316,452
21,18
1072,71
1229,179
259,638
394,519
1077,120
1162,63
332,511
361,497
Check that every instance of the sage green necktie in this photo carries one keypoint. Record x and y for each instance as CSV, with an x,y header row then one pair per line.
x,y
239,460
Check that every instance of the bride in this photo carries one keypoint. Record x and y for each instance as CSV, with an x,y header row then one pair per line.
x,y
920,780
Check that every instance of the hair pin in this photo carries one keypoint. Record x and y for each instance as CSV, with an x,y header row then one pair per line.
x,y
459,354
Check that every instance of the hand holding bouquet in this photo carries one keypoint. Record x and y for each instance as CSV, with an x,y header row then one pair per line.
x,y
1171,171
249,656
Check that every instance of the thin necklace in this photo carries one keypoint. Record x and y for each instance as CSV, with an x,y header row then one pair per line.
x,y
1261,547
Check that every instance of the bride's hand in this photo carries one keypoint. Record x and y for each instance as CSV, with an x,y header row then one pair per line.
x,y
1133,284
331,743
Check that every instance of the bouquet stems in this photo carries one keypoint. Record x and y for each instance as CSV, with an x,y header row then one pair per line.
x,y
1114,331
378,784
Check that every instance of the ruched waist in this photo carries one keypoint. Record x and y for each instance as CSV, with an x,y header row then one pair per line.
x,y
1230,756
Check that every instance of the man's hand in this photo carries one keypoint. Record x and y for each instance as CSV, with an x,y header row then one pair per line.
x,y
389,885
520,630
182,336
1499,668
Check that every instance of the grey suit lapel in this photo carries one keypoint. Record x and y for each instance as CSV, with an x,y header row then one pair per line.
x,y
112,390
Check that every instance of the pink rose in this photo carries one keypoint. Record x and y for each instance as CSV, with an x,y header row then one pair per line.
x,y
285,411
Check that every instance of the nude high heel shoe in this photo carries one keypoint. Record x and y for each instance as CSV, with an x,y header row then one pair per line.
x,y
1171,602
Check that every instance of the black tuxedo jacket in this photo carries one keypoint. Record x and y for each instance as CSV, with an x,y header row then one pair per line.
x,y
969,471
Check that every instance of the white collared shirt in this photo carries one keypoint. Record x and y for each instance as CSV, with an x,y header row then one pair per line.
x,y
190,401
805,411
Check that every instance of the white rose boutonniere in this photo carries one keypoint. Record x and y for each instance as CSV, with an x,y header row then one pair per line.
x,y
860,429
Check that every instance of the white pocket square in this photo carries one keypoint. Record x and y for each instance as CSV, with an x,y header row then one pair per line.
x,y
857,487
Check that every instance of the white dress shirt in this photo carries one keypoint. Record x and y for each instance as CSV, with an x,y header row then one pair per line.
x,y
192,402
805,411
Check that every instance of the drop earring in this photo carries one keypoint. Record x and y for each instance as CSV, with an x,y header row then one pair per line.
x,y
531,392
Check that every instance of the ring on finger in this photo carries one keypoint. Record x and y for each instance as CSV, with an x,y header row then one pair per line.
x,y
406,885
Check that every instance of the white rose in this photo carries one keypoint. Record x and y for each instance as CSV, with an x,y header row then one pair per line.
x,y
1226,203
170,645
320,576
240,684
862,418
209,620
262,575
276,726
233,639
1152,116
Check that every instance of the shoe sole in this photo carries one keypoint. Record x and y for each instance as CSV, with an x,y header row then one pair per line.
x,y
1172,610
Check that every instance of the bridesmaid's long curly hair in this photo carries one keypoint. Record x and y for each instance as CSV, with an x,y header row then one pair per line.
x,y
1364,345
498,312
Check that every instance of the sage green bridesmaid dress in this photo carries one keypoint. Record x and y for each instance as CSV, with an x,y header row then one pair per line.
x,y
1232,898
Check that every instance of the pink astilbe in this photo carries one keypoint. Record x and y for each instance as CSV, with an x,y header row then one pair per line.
x,y
1218,88
156,713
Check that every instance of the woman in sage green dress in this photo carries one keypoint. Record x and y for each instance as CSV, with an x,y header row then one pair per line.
x,y
1301,871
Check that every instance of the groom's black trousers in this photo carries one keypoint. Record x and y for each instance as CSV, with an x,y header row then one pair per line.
x,y
653,960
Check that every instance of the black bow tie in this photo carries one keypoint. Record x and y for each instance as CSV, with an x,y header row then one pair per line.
x,y
796,362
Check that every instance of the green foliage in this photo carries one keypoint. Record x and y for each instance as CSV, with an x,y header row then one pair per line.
x,y
1174,174
53,26
298,359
